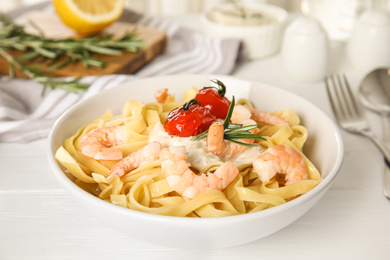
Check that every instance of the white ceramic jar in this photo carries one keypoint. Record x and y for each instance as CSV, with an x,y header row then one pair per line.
x,y
261,38
305,50
369,45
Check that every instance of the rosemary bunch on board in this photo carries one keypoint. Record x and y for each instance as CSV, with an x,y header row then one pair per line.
x,y
233,132
57,53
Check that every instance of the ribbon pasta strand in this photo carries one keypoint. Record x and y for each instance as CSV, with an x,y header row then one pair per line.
x,y
146,188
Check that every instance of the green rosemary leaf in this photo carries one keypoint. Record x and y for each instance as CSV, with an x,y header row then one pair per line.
x,y
243,136
240,143
229,114
89,61
201,136
70,86
233,126
34,67
93,63
12,71
28,56
12,43
102,50
55,60
57,66
77,79
45,52
241,129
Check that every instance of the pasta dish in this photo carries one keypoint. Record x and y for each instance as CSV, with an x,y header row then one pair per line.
x,y
202,156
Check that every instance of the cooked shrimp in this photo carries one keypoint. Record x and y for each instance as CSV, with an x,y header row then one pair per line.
x,y
281,159
240,113
266,117
161,95
148,153
216,144
188,184
98,143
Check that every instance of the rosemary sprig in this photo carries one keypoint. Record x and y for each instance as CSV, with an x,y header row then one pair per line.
x,y
233,132
31,73
57,53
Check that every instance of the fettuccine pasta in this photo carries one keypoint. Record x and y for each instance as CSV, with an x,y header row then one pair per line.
x,y
146,188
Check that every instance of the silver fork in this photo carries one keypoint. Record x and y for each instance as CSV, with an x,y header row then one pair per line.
x,y
348,111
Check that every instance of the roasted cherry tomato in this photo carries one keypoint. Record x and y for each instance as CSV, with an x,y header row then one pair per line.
x,y
189,119
214,99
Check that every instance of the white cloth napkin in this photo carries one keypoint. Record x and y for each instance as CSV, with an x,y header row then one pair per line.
x,y
26,115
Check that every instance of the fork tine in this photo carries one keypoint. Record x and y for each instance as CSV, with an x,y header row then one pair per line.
x,y
354,106
341,97
334,97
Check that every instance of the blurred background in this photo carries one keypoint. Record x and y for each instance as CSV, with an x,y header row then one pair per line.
x,y
163,7
336,16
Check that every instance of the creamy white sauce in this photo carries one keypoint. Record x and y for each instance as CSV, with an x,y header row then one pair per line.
x,y
231,15
196,150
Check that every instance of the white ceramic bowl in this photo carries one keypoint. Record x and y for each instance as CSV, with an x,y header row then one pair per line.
x,y
324,148
260,40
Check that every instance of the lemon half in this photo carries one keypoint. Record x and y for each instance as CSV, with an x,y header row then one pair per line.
x,y
88,16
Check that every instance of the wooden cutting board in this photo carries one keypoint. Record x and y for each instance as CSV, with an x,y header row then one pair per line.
x,y
155,42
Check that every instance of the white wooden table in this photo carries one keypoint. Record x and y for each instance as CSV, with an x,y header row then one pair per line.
x,y
39,220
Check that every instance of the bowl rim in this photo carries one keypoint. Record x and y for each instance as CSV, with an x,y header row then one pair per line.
x,y
72,187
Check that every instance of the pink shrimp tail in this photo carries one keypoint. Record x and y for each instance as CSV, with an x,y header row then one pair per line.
x,y
215,141
161,95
